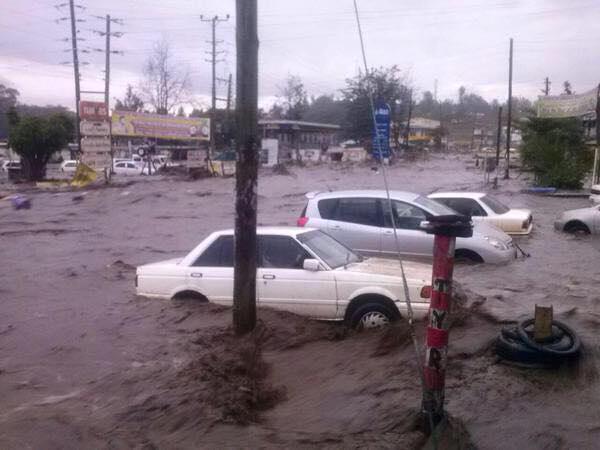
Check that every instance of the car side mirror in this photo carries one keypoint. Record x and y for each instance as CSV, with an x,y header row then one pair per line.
x,y
311,264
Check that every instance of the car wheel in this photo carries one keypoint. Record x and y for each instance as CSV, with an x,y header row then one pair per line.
x,y
577,228
372,315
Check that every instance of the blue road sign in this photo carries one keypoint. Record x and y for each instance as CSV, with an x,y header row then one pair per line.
x,y
381,134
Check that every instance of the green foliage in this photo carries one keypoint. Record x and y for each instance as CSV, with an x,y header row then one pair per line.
x,y
8,101
36,139
386,84
556,152
131,101
325,109
293,98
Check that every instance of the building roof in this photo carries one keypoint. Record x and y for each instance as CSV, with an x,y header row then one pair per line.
x,y
298,123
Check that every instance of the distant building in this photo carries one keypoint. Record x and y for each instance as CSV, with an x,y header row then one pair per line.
x,y
296,135
422,129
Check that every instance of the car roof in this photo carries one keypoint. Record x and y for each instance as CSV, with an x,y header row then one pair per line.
x,y
281,231
475,195
397,195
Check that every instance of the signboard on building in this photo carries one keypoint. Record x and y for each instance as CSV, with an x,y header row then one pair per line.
x,y
95,152
94,111
89,128
567,105
196,158
95,132
381,135
134,124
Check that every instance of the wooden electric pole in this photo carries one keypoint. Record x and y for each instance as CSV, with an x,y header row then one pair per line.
x,y
246,244
107,65
229,83
76,73
499,137
213,113
509,118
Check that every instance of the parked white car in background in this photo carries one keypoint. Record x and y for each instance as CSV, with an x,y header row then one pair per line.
x,y
11,165
129,168
485,208
595,193
300,270
69,165
362,221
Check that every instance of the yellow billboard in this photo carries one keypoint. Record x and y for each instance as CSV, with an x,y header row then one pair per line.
x,y
135,124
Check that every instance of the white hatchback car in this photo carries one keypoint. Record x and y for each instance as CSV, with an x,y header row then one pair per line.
x,y
595,193
485,208
300,270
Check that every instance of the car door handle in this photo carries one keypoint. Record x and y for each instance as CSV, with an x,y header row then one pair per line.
x,y
268,276
388,232
196,275
336,227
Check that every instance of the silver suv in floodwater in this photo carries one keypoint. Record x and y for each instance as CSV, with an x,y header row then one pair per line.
x,y
579,221
362,221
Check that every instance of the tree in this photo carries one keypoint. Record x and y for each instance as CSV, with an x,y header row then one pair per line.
x,y
131,101
386,84
294,101
556,152
164,87
567,88
35,139
181,112
325,109
8,101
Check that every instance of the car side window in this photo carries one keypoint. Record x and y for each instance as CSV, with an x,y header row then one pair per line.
x,y
218,254
466,207
406,216
280,252
131,166
328,207
362,211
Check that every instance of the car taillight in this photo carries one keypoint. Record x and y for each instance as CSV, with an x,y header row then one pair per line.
x,y
136,281
527,222
302,221
426,292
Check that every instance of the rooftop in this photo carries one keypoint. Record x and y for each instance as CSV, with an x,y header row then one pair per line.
x,y
298,123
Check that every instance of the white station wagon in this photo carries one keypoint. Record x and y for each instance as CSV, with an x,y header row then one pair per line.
x,y
300,270
485,208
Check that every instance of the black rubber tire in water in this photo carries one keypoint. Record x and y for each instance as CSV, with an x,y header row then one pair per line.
x,y
372,315
577,228
570,349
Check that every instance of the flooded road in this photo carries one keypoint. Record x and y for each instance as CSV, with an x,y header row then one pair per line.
x,y
84,363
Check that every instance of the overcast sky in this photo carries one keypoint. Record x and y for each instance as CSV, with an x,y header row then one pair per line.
x,y
457,42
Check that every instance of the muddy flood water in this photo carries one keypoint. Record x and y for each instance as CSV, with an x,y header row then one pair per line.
x,y
84,363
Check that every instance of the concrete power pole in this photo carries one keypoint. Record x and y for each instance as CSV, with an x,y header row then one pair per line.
x,y
229,83
546,90
509,119
247,147
107,68
76,73
214,21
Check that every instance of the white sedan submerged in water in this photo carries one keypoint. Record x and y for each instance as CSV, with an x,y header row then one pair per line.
x,y
485,208
300,270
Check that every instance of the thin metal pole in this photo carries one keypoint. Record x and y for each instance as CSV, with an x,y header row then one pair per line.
x,y
509,118
76,73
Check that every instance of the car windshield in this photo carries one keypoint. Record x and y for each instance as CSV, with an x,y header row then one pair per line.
x,y
434,207
495,205
328,249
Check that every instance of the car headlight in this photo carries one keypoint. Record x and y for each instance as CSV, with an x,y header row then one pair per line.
x,y
496,243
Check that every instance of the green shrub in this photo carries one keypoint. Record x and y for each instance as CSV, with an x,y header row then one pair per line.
x,y
556,152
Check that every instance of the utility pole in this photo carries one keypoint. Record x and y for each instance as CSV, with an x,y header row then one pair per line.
x,y
435,89
546,90
498,144
214,21
508,124
410,104
76,73
247,145
107,67
229,83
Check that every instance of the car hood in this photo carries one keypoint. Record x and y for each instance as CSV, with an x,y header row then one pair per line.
x,y
579,212
391,267
481,229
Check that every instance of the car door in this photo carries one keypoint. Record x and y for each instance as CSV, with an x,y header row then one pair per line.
x,y
283,284
356,222
412,241
212,272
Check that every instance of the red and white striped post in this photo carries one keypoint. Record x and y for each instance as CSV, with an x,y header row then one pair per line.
x,y
446,229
